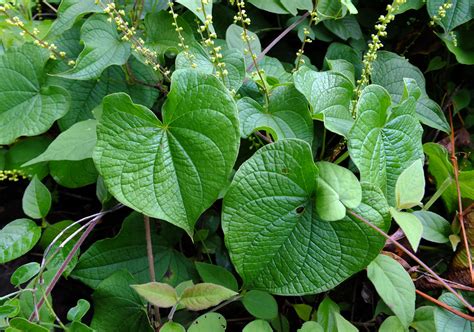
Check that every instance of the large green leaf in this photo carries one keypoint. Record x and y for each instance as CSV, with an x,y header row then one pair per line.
x,y
17,238
389,71
36,200
447,321
28,106
172,169
395,287
70,10
285,116
460,12
274,236
76,143
128,251
217,275
117,307
86,95
442,170
103,48
383,144
260,304
329,94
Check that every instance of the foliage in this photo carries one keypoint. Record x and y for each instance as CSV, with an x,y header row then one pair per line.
x,y
236,165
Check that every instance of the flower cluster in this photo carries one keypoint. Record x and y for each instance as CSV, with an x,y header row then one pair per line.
x,y
245,21
208,41
371,55
441,13
299,54
130,34
182,41
12,175
17,22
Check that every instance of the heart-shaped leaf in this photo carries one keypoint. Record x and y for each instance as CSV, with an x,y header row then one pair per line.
x,y
172,169
286,116
101,49
36,199
337,188
275,238
29,107
329,94
381,143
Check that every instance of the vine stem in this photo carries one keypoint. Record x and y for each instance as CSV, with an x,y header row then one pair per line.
x,y
277,40
454,160
445,306
151,263
68,259
416,259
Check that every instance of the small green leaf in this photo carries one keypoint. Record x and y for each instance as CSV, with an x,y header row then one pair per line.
x,y
22,324
447,321
441,169
24,273
285,116
9,308
260,304
303,311
337,51
101,49
343,67
76,143
410,186
411,226
17,238
350,6
329,94
215,274
205,295
337,188
209,322
325,314
172,327
343,325
29,107
458,43
330,9
157,293
182,162
117,307
258,326
424,319
36,199
27,149
435,227
76,313
345,28
311,327
391,324
395,287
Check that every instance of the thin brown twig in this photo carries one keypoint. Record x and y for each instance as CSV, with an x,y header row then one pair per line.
x,y
416,259
151,265
454,160
445,306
